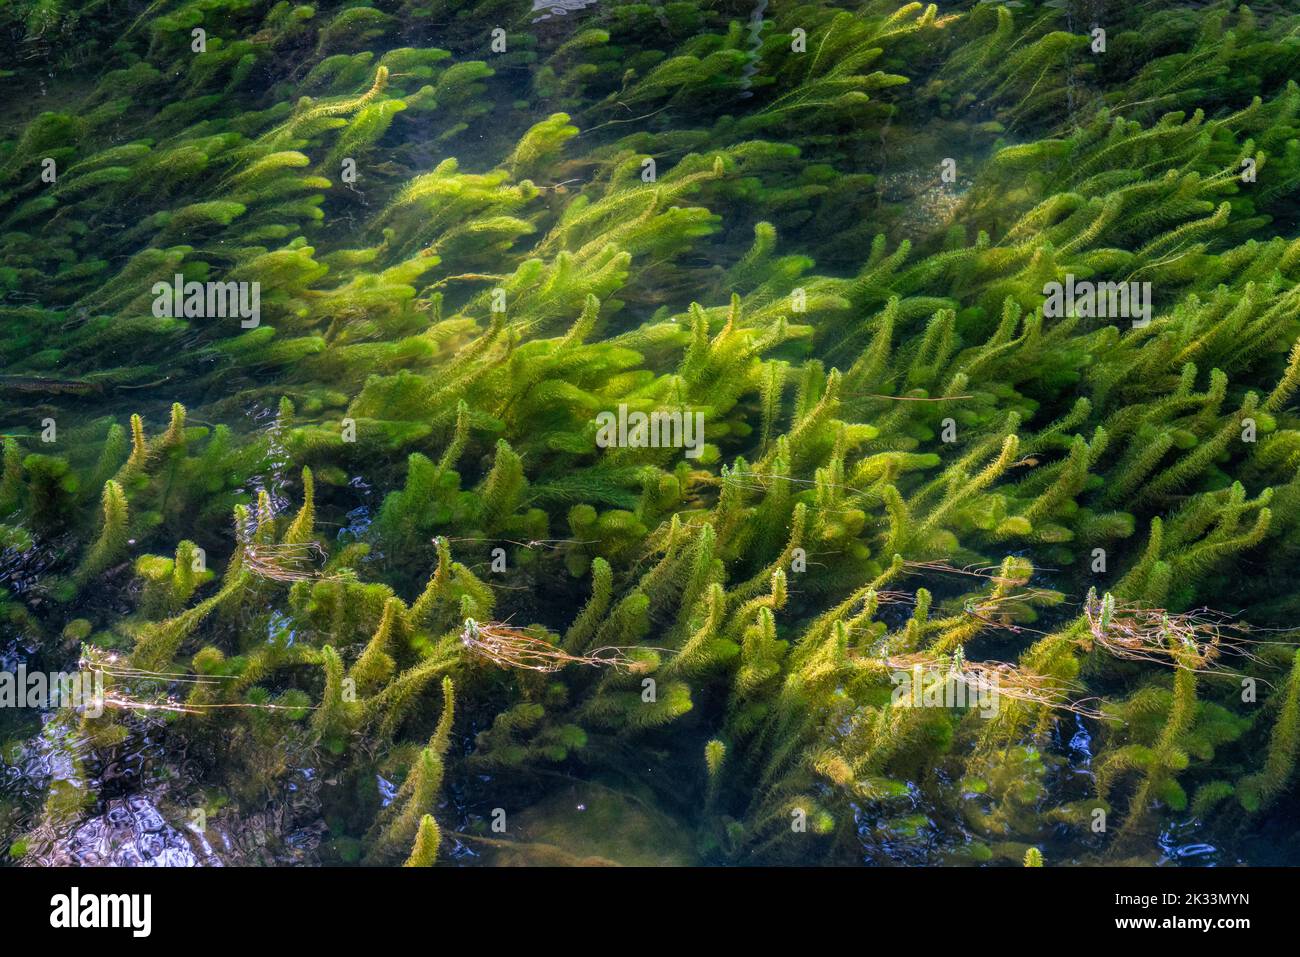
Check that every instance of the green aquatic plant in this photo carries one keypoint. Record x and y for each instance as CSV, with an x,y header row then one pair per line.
x,y
406,823
1259,789
908,460
111,543
427,841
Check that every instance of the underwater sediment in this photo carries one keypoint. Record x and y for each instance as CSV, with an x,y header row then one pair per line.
x,y
650,433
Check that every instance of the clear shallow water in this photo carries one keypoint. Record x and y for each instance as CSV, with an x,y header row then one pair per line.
x,y
144,790
142,797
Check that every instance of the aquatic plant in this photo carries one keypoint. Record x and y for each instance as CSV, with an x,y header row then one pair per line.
x,y
909,461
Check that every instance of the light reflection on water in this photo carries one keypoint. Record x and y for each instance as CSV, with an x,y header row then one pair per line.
x,y
130,832
1180,845
136,805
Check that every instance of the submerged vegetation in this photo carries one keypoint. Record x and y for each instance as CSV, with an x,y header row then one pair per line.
x,y
371,531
